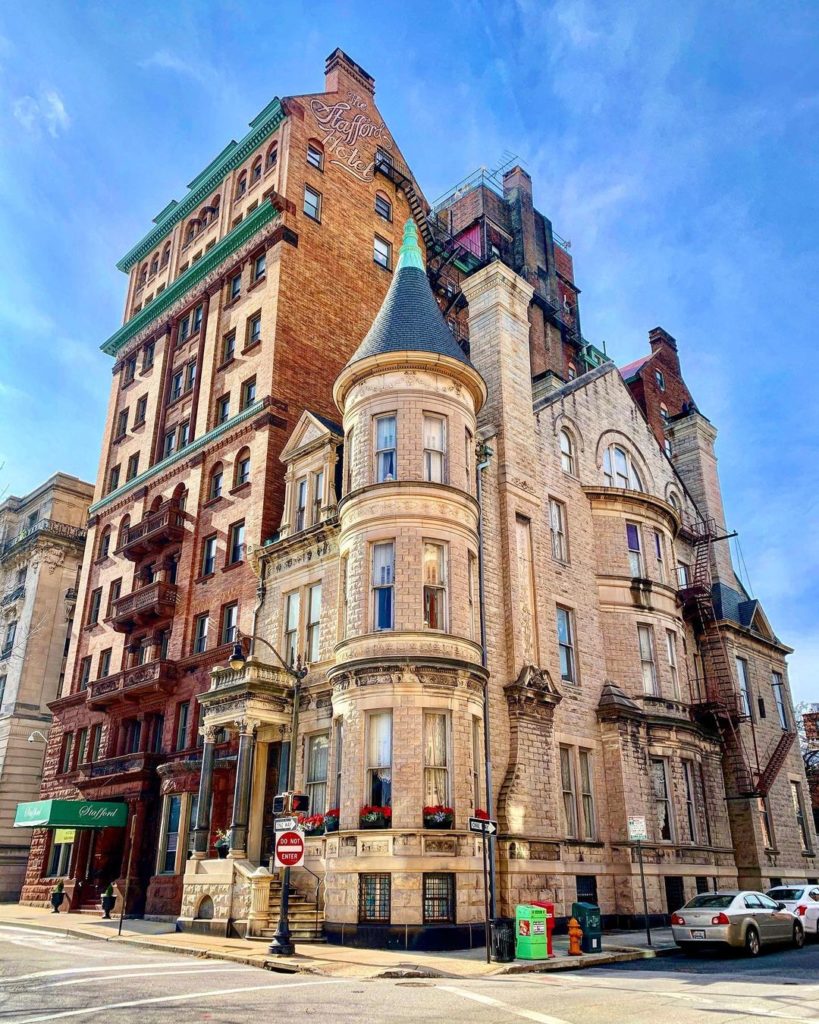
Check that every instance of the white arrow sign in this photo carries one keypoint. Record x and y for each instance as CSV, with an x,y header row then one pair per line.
x,y
486,826
286,824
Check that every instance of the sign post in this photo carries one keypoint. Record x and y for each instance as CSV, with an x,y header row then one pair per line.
x,y
485,827
637,833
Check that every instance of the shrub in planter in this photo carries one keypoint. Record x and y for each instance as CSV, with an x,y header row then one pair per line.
x,y
107,901
331,820
439,817
57,896
313,825
374,817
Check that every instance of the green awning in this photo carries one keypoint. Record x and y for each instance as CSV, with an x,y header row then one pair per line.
x,y
70,814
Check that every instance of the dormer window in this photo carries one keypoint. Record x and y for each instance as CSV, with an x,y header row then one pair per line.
x,y
385,449
301,504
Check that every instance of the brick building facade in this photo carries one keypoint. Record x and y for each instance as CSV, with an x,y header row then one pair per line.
x,y
473,437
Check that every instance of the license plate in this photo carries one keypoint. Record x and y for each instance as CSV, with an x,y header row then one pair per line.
x,y
697,933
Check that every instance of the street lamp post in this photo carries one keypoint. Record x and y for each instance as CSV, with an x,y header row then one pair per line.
x,y
281,944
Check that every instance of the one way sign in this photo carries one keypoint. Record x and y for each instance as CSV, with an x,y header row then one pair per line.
x,y
485,826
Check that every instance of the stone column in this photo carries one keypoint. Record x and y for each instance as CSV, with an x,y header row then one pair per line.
x,y
202,829
241,793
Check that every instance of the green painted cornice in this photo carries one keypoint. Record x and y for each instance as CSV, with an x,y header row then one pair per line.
x,y
235,153
179,456
232,241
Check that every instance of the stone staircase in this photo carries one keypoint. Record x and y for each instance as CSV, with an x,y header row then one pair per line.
x,y
306,919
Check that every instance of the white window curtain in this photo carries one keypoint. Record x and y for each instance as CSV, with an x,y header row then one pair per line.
x,y
567,784
317,773
379,758
436,775
434,448
385,434
647,660
383,559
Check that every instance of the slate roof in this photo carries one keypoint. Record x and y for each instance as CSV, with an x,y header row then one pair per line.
x,y
630,369
409,319
331,425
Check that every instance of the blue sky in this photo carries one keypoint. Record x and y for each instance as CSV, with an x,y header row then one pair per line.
x,y
674,145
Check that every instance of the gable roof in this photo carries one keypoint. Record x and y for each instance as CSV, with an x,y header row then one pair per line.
x,y
632,369
410,319
310,431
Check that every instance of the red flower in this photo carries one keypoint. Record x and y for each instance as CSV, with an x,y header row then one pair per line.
x,y
438,809
481,813
385,812
332,814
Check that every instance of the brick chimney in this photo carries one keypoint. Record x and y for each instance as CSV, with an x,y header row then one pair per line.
x,y
341,70
659,337
516,177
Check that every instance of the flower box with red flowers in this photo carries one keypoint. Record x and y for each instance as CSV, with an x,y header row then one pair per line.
x,y
479,812
374,817
439,817
312,825
331,820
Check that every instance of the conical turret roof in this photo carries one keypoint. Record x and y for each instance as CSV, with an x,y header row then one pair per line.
x,y
410,319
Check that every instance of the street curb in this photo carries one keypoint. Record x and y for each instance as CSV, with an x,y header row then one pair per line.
x,y
618,955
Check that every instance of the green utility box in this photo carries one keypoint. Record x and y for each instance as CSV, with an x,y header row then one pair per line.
x,y
530,933
588,917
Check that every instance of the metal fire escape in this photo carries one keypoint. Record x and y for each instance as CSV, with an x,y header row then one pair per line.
x,y
720,701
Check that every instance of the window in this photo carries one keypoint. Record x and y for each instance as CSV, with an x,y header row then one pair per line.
x,y
382,158
662,803
241,185
645,636
557,526
122,424
669,451
242,468
568,785
744,687
96,739
315,156
230,619
664,413
68,744
659,377
272,155
382,583
338,727
209,555
235,287
316,776
383,207
374,898
228,346
176,385
248,392
348,461
318,496
435,449
141,410
183,712
671,651
635,554
197,320
85,673
236,543
200,633
105,542
436,764
471,580
379,759
566,452
291,628
469,454
129,369
133,467
260,266
59,859
565,642
170,843
223,409
778,687
683,575
301,503
439,898
477,762
619,469
799,812
256,170
216,477
313,622
190,376
587,794
658,554
690,801
184,434
763,813
586,888
105,664
93,611
113,478
184,330
385,449
434,585
312,203
82,746
382,252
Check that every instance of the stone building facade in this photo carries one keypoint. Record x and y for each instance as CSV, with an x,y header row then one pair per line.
x,y
42,536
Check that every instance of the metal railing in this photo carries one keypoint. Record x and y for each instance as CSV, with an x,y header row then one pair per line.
x,y
48,527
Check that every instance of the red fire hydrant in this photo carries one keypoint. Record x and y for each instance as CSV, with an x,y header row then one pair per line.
x,y
575,935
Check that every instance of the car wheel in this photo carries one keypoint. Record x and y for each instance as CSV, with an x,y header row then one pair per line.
x,y
798,936
752,945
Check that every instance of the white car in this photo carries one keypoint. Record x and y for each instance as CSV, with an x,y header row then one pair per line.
x,y
802,900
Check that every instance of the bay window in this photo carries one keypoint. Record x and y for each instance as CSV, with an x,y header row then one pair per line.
x,y
379,759
385,449
434,585
434,449
383,573
436,762
316,775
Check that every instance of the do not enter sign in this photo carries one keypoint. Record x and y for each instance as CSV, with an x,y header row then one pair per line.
x,y
289,849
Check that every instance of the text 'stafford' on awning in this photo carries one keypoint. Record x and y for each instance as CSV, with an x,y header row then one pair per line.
x,y
71,814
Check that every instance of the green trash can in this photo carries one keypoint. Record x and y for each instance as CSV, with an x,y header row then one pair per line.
x,y
588,917
530,932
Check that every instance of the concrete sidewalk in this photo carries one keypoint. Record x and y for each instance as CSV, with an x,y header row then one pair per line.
x,y
333,961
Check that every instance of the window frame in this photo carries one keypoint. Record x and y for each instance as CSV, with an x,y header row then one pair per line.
x,y
557,531
665,799
312,210
437,589
428,453
315,786
569,644
377,587
379,453
432,769
236,552
382,257
651,683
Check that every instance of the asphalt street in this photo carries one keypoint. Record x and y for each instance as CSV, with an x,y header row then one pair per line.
x,y
47,977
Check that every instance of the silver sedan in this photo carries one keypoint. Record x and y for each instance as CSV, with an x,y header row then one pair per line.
x,y
744,919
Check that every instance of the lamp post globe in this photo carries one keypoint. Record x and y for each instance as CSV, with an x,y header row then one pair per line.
x,y
237,658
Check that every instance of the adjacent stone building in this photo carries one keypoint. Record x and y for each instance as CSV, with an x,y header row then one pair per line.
x,y
42,536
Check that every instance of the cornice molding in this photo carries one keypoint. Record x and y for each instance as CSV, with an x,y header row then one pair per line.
x,y
192,278
235,153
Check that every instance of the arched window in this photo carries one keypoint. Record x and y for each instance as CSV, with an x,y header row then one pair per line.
x,y
105,543
383,207
214,208
315,154
241,184
190,232
256,170
215,484
619,469
566,452
241,474
572,371
272,155
166,254
155,504
664,412
155,264
674,501
180,496
143,274
122,534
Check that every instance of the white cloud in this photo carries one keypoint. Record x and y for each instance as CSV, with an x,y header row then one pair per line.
x,y
200,72
46,113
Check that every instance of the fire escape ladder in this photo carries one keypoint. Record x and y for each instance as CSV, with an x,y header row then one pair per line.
x,y
775,762
402,178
